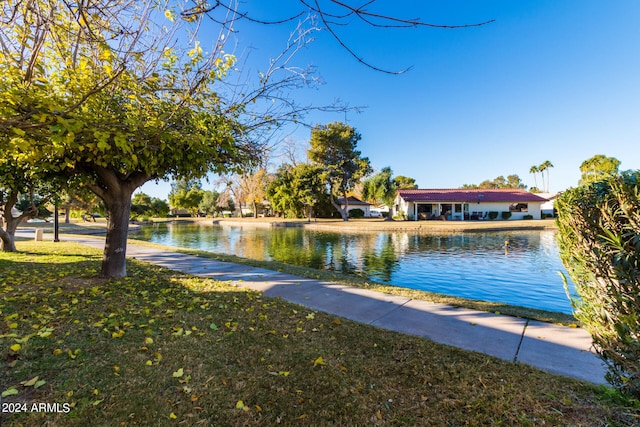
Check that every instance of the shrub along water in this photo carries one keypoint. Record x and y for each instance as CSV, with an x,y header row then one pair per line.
x,y
599,239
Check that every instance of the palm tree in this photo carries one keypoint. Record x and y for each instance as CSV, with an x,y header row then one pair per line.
x,y
541,169
546,166
534,170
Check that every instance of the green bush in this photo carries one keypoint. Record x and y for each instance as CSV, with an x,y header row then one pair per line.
x,y
506,215
399,216
356,213
527,217
493,215
599,239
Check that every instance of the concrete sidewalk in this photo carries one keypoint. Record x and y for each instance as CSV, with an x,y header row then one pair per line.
x,y
556,349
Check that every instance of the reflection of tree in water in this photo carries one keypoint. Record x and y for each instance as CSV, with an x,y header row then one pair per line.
x,y
381,263
343,254
293,246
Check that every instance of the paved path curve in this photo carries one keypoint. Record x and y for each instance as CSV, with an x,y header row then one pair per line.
x,y
556,349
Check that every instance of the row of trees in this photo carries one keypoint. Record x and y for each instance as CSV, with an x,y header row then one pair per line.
x,y
335,170
511,181
543,167
188,194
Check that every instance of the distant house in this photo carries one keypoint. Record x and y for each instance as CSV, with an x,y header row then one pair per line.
x,y
355,203
549,207
464,204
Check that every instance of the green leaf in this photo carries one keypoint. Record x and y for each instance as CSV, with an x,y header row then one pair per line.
x,y
11,391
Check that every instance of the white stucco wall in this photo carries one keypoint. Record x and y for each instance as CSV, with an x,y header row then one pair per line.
x,y
400,205
534,209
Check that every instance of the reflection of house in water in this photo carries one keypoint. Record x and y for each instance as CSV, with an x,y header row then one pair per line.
x,y
467,204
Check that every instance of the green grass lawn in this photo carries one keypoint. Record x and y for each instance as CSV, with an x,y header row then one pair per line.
x,y
164,348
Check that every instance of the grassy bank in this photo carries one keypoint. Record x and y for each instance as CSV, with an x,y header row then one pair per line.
x,y
162,348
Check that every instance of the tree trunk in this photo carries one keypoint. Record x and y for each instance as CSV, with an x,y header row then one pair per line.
x,y
343,212
7,241
114,261
10,223
8,232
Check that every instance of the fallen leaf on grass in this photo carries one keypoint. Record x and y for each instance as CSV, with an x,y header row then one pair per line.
x,y
117,334
31,382
178,373
318,361
11,391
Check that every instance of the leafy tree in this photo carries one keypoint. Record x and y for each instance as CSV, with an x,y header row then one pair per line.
x,y
512,181
160,117
143,204
186,194
159,208
22,190
296,187
599,240
209,203
254,188
598,167
140,203
184,184
404,182
189,200
333,147
381,188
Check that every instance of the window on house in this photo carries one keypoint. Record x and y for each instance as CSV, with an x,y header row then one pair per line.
x,y
519,207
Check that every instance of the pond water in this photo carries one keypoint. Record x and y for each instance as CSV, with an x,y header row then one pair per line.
x,y
468,265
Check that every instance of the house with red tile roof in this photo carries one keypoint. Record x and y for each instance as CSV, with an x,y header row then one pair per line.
x,y
463,204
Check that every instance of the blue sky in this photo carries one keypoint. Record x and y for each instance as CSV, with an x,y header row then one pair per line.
x,y
553,80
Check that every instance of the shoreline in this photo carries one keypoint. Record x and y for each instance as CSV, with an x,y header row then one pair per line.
x,y
380,225
359,225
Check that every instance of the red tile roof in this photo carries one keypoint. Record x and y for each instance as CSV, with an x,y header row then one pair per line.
x,y
470,195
